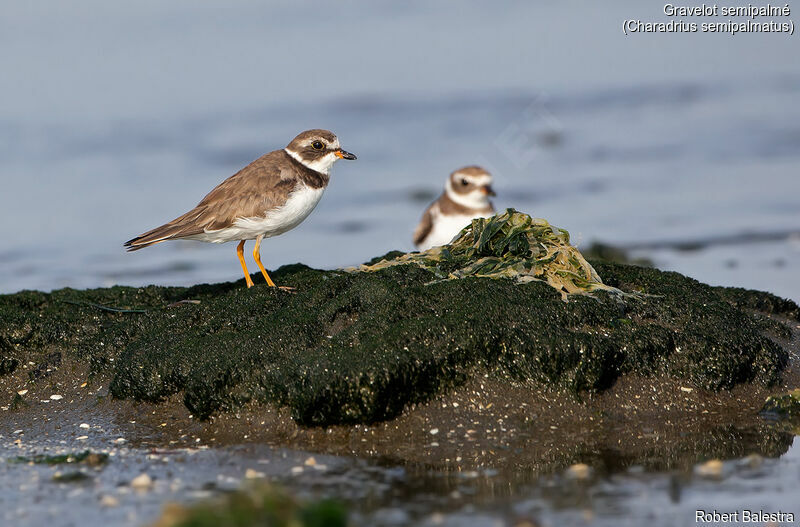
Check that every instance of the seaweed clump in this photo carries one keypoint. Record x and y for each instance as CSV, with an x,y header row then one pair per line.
x,y
510,245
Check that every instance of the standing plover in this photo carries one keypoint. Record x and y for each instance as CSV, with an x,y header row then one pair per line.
x,y
268,197
466,196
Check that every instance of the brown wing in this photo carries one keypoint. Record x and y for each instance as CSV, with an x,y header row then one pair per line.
x,y
425,225
260,186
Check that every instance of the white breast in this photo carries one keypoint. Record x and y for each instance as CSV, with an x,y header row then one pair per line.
x,y
275,221
445,228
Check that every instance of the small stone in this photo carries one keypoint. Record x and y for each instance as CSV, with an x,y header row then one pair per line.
x,y
96,460
56,397
434,431
84,425
579,471
687,390
22,392
310,462
73,476
119,440
142,482
297,470
82,438
253,474
109,501
753,461
710,469
18,431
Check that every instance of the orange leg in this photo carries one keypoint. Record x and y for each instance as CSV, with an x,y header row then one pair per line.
x,y
240,252
257,258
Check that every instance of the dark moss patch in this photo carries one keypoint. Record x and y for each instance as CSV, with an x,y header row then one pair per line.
x,y
73,476
759,301
50,363
610,253
8,365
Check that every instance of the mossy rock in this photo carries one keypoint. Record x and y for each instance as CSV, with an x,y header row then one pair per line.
x,y
359,347
784,406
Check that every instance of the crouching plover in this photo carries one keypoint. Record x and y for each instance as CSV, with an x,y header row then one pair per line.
x,y
268,197
466,196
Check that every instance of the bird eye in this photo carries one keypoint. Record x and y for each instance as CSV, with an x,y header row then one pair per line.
x,y
464,182
317,145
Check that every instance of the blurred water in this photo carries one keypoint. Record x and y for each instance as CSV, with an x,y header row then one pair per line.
x,y
115,119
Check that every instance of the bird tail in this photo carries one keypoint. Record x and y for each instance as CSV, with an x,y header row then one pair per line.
x,y
152,237
178,228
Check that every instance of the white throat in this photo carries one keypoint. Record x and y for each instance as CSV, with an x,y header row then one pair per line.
x,y
322,165
473,200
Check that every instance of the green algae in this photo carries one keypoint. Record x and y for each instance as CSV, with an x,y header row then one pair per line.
x,y
255,506
88,457
360,347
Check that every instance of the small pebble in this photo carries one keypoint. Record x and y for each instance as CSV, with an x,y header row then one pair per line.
x,y
109,501
753,461
142,482
434,431
297,470
710,469
84,425
56,397
310,462
82,438
253,474
526,522
22,392
579,471
119,440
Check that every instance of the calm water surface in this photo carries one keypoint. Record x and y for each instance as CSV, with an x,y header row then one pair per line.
x,y
388,495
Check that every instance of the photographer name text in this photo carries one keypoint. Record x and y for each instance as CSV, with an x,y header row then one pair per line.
x,y
743,516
